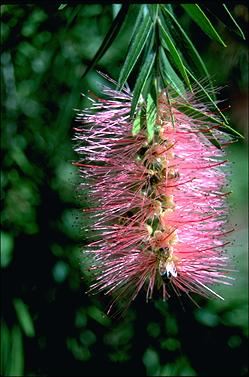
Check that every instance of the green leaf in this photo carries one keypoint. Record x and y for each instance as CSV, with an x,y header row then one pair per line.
x,y
73,14
153,10
16,365
141,80
24,317
174,53
238,29
222,13
191,48
62,6
169,7
226,128
5,348
109,38
195,12
152,362
7,245
96,314
137,45
168,74
139,18
115,9
192,112
197,114
213,139
137,124
150,117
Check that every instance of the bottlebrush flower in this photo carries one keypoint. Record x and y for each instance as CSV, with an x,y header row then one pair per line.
x,y
157,208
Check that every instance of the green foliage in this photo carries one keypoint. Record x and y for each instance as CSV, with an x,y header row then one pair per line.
x,y
195,12
226,17
7,245
12,358
154,34
144,73
142,34
24,317
62,6
174,53
137,124
195,56
150,117
168,74
109,38
49,326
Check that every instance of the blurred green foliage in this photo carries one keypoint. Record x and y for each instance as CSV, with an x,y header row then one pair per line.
x,y
48,325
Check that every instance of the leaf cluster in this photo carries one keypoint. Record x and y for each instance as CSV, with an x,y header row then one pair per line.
x,y
162,54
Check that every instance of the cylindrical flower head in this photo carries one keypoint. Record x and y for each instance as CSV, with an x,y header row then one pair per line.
x,y
157,208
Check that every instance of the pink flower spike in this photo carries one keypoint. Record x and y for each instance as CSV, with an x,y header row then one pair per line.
x,y
157,209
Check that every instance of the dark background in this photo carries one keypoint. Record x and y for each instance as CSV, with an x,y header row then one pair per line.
x,y
49,326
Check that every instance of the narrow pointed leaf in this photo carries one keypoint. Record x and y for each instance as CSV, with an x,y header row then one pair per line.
x,y
5,348
24,317
16,365
169,76
226,128
213,139
191,48
196,13
115,9
169,7
137,124
150,117
153,10
174,53
109,38
197,114
141,80
137,45
222,13
62,6
139,19
237,28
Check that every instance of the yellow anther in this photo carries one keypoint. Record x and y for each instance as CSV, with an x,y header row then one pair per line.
x,y
158,207
158,234
170,155
149,229
173,239
172,173
168,201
